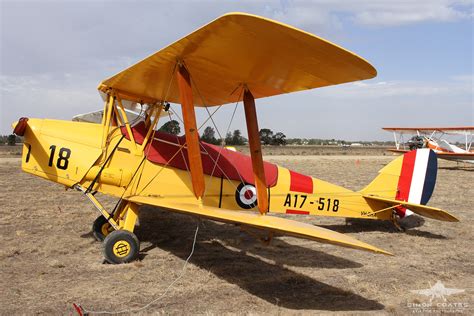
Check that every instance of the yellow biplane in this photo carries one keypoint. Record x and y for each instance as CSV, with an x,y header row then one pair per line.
x,y
237,57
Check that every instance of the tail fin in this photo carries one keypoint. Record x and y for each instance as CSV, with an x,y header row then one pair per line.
x,y
410,178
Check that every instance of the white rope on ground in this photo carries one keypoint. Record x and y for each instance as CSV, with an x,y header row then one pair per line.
x,y
136,310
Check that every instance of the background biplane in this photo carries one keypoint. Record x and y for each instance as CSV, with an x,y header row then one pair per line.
x,y
237,57
439,139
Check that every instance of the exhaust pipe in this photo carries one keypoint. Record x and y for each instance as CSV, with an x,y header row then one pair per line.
x,y
20,126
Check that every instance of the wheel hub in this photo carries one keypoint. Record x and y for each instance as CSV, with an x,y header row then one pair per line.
x,y
121,248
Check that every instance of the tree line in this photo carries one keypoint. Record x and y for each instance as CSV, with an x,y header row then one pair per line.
x,y
267,137
10,140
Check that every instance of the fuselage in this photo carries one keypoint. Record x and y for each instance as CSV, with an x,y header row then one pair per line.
x,y
72,153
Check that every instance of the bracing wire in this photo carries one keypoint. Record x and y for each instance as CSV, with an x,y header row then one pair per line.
x,y
163,167
221,147
216,161
210,118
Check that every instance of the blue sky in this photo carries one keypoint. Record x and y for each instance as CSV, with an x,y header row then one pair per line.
x,y
54,54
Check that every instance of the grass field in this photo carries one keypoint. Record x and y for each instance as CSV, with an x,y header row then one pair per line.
x,y
49,259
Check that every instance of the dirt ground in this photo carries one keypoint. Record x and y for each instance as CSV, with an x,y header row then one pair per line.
x,y
317,150
49,259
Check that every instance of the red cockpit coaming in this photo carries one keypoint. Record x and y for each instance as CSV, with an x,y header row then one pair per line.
x,y
165,150
138,131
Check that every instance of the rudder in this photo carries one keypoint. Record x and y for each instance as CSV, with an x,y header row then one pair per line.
x,y
410,178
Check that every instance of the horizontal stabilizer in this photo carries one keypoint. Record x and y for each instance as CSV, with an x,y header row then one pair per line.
x,y
423,210
265,222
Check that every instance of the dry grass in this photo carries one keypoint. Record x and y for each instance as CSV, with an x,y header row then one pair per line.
x,y
10,151
50,260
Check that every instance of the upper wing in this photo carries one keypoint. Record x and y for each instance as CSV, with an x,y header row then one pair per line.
x,y
429,129
423,210
271,58
408,130
266,222
402,129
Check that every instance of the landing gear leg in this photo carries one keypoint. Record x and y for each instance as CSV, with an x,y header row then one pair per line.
x,y
101,226
120,244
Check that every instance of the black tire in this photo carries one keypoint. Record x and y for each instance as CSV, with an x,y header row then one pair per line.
x,y
101,228
121,246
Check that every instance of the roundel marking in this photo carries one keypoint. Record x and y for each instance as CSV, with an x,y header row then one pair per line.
x,y
246,196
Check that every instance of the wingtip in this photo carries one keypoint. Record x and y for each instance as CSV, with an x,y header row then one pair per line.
x,y
454,218
386,253
371,248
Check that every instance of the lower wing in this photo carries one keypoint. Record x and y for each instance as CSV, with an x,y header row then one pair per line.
x,y
265,222
427,211
456,156
444,155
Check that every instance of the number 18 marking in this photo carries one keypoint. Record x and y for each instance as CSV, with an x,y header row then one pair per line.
x,y
63,157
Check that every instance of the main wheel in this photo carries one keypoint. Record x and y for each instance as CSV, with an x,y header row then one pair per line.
x,y
121,246
101,228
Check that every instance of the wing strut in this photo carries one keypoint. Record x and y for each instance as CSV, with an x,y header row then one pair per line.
x,y
191,131
256,151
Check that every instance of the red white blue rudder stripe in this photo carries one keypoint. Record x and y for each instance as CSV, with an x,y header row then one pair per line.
x,y
417,178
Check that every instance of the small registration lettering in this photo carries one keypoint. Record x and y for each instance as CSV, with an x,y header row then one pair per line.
x,y
368,213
